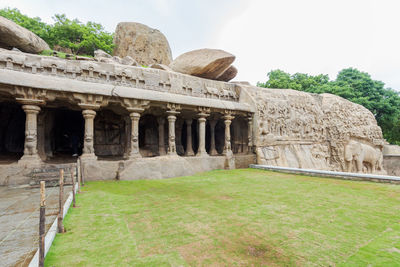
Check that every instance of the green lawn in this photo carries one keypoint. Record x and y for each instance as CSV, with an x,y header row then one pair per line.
x,y
232,218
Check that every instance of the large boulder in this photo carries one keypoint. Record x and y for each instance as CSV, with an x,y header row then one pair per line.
x,y
228,74
13,35
206,63
144,44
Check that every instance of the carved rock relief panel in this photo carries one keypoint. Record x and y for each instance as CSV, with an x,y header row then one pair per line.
x,y
305,130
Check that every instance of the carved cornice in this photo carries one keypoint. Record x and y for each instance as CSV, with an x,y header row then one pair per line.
x,y
203,112
29,96
228,115
89,101
173,108
135,105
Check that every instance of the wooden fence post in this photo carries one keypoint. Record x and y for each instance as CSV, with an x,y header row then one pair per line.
x,y
61,203
79,175
42,223
73,187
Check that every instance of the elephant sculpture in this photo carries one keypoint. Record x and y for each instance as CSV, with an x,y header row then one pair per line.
x,y
363,154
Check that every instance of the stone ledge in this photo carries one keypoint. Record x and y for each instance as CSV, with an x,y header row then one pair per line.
x,y
332,174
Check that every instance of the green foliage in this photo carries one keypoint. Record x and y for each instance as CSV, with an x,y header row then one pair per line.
x,y
353,85
79,37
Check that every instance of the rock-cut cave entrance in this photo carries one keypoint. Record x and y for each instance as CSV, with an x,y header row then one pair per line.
x,y
12,132
64,133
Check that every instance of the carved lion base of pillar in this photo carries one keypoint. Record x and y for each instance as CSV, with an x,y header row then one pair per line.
x,y
30,160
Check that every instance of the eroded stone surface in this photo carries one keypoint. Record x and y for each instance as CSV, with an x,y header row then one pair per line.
x,y
142,43
13,35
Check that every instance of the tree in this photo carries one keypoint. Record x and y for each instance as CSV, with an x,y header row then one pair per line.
x,y
353,85
80,38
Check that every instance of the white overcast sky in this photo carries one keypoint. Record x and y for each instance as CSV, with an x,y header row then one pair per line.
x,y
308,36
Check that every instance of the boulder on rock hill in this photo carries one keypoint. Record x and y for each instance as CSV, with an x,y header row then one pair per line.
x,y
13,35
206,63
144,44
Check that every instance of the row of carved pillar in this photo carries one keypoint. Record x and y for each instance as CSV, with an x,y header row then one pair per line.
x,y
31,153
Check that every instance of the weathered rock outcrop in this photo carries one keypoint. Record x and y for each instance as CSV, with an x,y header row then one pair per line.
x,y
206,63
298,129
13,35
101,56
142,43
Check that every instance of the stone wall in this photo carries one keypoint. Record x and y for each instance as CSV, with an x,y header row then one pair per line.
x,y
303,130
391,159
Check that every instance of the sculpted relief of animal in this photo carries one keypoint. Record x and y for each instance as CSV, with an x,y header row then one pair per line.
x,y
362,154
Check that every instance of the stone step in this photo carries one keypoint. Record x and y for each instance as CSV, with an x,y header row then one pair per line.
x,y
53,169
51,174
49,183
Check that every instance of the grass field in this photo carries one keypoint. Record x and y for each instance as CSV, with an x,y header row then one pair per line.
x,y
232,218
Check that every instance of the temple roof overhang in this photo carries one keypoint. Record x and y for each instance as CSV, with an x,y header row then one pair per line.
x,y
16,78
115,81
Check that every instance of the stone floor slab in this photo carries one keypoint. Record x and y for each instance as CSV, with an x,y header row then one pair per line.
x,y
19,222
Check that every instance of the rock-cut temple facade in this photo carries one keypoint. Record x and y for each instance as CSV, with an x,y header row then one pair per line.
x,y
129,122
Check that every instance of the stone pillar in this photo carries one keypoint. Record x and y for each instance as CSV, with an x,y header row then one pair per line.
x,y
202,135
227,147
172,112
30,147
250,135
161,145
213,151
134,149
178,134
189,145
41,135
171,134
88,144
128,128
